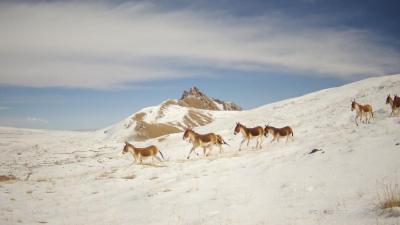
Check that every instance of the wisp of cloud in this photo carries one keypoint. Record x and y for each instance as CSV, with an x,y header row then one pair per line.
x,y
102,46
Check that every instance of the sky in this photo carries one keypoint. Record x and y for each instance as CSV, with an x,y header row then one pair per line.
x,y
83,65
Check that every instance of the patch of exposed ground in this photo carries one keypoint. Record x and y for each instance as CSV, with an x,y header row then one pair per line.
x,y
6,178
194,119
146,131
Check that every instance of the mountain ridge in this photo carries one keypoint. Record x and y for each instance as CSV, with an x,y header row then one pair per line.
x,y
171,116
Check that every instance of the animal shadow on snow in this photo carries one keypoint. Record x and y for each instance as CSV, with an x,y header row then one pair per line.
x,y
149,164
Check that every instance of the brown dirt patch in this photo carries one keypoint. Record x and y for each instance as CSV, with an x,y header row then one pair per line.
x,y
145,130
4,178
200,103
194,119
139,116
43,179
130,177
153,130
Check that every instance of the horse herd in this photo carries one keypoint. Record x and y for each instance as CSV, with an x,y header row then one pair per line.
x,y
209,140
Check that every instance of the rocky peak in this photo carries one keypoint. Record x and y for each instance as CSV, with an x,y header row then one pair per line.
x,y
197,99
229,106
193,91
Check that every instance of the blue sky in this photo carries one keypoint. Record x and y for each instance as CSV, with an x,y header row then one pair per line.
x,y
87,64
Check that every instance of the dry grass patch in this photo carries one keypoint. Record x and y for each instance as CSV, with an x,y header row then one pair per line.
x,y
43,179
146,131
195,118
4,178
389,197
203,103
130,177
139,116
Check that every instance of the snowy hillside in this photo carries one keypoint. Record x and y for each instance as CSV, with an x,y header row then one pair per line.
x,y
83,178
193,109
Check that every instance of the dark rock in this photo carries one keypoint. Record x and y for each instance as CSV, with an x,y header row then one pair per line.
x,y
315,150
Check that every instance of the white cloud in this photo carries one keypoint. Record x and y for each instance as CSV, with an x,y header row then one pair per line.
x,y
94,45
36,120
20,121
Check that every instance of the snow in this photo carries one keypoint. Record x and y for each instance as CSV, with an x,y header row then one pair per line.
x,y
83,178
219,105
165,113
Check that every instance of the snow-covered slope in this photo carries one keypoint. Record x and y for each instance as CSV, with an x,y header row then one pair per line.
x,y
157,121
82,178
193,109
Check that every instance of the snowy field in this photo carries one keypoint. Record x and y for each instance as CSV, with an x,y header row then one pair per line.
x,y
83,178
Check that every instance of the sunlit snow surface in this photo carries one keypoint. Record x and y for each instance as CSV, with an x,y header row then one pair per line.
x,y
83,178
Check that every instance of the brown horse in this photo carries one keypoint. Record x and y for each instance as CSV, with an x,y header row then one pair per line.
x,y
362,110
139,153
394,104
278,132
203,140
249,133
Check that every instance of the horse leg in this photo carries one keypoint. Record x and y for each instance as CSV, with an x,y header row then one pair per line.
x,y
140,159
258,142
191,150
240,147
394,111
134,158
204,151
287,138
365,115
261,141
210,148
355,119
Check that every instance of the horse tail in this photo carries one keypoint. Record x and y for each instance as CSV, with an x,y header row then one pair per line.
x,y
225,143
221,140
292,132
161,154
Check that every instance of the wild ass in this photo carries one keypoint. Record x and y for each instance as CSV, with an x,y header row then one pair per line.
x,y
277,133
361,110
249,133
139,153
394,104
203,140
